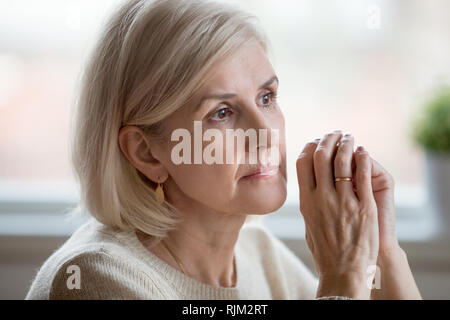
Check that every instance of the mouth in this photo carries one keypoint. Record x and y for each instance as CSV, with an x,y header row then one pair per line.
x,y
263,172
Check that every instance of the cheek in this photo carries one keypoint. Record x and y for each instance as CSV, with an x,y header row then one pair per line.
x,y
212,185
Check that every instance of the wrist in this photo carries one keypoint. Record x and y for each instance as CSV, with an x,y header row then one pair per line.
x,y
390,256
349,284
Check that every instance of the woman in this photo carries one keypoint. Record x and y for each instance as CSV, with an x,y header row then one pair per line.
x,y
161,229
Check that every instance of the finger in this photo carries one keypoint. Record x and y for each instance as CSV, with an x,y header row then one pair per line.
x,y
363,174
305,167
323,165
343,167
380,177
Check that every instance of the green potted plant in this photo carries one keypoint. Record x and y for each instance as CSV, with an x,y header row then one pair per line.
x,y
431,131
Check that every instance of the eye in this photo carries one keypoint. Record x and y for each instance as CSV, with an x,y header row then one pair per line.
x,y
268,99
220,114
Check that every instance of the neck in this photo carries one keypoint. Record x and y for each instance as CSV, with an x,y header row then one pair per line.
x,y
204,244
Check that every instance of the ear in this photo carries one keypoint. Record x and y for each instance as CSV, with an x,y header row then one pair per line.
x,y
137,149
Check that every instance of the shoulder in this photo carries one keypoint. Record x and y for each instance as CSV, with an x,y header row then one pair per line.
x,y
92,264
96,273
279,261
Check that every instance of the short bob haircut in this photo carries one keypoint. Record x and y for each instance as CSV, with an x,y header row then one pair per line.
x,y
150,59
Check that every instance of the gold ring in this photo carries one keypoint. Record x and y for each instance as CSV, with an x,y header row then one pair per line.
x,y
343,179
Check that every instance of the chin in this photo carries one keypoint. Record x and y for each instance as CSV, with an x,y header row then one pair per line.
x,y
266,203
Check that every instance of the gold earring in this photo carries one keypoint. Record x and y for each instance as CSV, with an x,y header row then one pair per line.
x,y
159,194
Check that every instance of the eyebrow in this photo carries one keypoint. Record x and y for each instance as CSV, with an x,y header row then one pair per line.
x,y
226,96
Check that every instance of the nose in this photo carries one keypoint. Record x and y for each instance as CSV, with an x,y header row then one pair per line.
x,y
267,135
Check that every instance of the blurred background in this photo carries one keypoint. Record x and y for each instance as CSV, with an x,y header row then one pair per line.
x,y
371,68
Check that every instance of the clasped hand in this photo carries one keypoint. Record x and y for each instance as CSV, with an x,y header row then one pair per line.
x,y
347,222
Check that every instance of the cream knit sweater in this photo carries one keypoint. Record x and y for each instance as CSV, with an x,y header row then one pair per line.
x,y
115,265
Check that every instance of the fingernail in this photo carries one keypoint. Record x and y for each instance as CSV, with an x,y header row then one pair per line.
x,y
337,131
317,140
348,134
360,148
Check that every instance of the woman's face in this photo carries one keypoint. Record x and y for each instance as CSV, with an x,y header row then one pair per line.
x,y
250,104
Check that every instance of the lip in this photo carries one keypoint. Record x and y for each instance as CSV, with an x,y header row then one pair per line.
x,y
263,172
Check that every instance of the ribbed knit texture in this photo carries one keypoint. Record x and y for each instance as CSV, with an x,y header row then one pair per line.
x,y
115,265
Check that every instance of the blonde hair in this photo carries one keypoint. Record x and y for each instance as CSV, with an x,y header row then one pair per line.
x,y
149,61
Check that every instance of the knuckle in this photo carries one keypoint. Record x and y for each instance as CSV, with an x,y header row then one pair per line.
x,y
320,195
340,162
306,151
349,205
327,202
390,179
320,154
345,142
308,146
364,175
385,179
302,160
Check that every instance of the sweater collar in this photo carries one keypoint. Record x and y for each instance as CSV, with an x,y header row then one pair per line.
x,y
188,287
